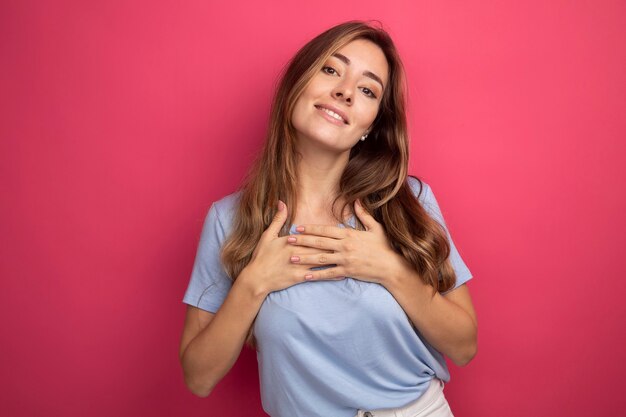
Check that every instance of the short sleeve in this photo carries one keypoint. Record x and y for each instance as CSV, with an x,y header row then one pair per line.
x,y
429,202
209,284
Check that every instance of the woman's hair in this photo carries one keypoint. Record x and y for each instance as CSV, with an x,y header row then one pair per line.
x,y
376,172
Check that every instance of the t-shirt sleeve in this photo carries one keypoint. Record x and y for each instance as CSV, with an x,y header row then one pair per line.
x,y
429,202
209,284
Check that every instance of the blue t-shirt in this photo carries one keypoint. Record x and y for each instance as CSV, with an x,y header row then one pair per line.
x,y
327,348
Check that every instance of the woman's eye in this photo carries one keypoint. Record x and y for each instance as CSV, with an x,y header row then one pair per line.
x,y
329,70
369,92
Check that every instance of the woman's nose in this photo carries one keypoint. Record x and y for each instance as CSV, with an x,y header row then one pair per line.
x,y
343,92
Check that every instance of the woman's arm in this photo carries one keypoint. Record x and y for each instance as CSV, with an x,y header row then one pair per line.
x,y
448,322
211,343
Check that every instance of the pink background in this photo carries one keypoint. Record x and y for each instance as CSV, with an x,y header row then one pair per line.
x,y
122,121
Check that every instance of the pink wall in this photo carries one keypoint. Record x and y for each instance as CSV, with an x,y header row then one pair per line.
x,y
122,121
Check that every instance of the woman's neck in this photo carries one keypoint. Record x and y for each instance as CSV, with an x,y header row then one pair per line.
x,y
318,176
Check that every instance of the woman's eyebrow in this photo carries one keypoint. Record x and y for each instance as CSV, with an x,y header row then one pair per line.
x,y
369,74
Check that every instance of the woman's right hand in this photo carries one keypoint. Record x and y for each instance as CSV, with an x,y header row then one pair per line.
x,y
270,268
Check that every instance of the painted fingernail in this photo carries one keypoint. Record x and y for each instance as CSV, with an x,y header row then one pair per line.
x,y
300,229
308,277
295,259
291,239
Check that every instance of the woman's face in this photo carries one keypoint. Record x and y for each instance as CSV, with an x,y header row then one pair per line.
x,y
341,102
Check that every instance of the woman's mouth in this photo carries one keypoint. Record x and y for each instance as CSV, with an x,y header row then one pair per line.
x,y
332,116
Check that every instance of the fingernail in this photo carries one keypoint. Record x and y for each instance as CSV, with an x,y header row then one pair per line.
x,y
291,239
300,229
295,259
281,205
308,277
358,203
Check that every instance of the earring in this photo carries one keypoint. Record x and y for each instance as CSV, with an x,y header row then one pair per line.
x,y
363,137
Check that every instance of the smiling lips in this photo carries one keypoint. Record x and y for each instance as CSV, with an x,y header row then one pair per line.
x,y
336,114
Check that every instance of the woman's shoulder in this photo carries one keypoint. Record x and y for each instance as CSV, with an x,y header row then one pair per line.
x,y
228,203
419,188
224,210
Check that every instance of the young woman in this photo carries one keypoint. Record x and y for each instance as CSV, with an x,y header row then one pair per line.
x,y
331,261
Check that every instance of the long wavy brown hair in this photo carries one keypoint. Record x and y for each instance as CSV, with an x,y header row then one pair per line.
x,y
376,172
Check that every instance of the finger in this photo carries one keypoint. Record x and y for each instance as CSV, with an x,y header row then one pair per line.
x,y
368,221
328,273
316,259
322,230
304,250
318,242
279,220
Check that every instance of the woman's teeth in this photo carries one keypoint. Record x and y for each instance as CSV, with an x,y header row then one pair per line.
x,y
332,113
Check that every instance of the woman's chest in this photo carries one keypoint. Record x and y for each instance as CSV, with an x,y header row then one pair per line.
x,y
328,310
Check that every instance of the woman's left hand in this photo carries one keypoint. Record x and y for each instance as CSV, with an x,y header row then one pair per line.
x,y
366,255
